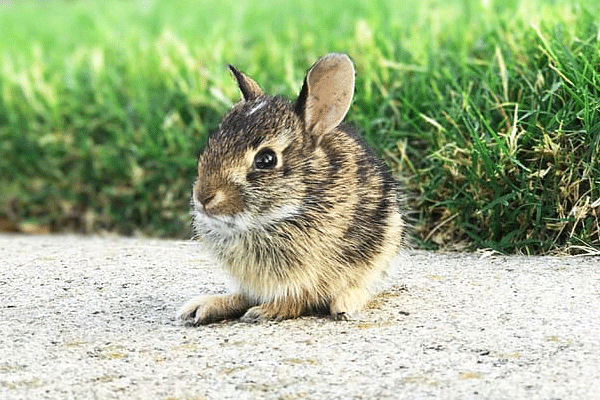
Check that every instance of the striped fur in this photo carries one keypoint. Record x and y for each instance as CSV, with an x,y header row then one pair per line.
x,y
318,230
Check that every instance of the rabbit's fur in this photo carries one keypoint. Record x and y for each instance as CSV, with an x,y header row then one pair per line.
x,y
315,227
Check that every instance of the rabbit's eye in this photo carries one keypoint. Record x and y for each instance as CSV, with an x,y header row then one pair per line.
x,y
265,159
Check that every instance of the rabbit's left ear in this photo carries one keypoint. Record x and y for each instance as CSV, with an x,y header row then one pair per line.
x,y
248,87
327,93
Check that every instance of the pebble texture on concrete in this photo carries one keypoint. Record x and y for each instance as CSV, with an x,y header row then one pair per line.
x,y
94,318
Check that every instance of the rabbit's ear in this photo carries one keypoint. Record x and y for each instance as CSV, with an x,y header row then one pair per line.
x,y
327,93
248,87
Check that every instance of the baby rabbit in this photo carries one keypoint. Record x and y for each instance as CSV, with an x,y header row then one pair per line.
x,y
298,210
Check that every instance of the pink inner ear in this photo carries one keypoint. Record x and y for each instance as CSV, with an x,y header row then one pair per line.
x,y
330,89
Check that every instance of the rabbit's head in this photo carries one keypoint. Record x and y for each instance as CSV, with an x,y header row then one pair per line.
x,y
257,166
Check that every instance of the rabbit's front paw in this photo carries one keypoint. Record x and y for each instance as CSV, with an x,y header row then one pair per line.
x,y
271,311
203,310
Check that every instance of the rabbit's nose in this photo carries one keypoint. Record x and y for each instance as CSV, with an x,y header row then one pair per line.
x,y
217,200
205,199
211,201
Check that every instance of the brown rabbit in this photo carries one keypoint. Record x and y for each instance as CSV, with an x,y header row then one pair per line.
x,y
296,207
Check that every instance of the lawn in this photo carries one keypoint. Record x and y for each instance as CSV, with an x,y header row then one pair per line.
x,y
487,110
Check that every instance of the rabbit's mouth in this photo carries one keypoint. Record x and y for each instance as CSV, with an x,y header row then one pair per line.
x,y
207,222
240,223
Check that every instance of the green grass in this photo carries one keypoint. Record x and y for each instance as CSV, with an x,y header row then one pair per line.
x,y
489,110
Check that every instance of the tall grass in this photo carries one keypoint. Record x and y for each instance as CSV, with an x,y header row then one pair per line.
x,y
489,110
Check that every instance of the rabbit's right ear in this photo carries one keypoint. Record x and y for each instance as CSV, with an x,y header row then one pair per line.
x,y
327,93
250,89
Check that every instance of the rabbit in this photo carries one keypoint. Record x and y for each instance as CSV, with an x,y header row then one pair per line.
x,y
297,208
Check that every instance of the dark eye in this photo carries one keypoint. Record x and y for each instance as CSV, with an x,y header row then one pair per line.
x,y
265,159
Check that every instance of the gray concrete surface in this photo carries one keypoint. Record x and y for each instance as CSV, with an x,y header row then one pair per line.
x,y
86,318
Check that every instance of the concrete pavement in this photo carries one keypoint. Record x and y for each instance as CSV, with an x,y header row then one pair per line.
x,y
94,318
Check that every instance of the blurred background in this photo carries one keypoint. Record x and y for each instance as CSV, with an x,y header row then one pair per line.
x,y
487,110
